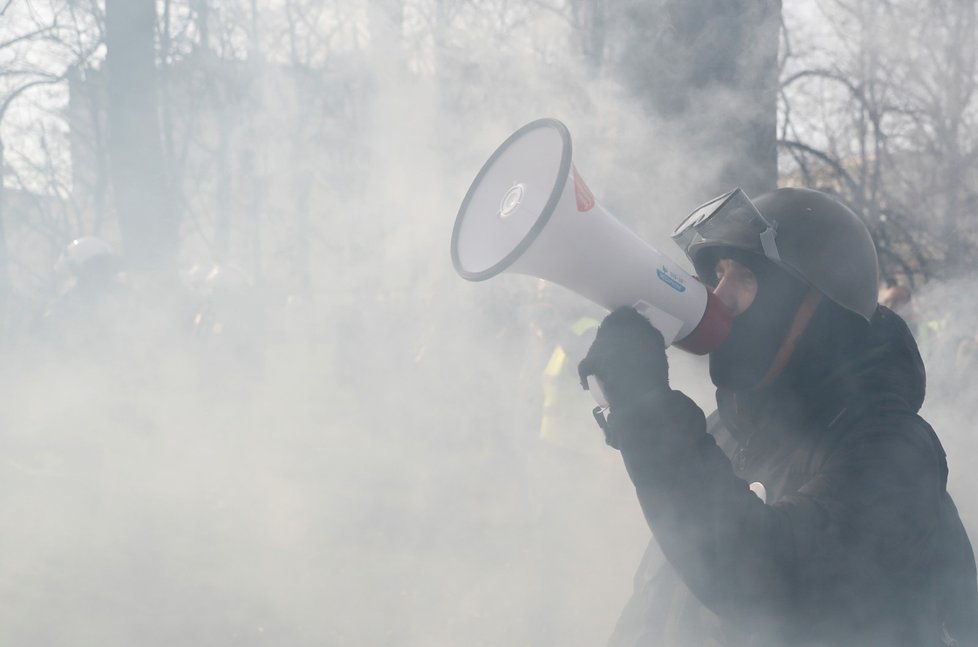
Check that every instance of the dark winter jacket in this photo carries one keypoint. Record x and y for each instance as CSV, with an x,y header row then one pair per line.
x,y
858,542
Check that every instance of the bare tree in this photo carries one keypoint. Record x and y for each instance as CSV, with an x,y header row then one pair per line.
x,y
889,125
147,218
41,47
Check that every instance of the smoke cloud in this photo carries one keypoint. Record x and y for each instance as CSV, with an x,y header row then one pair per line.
x,y
347,451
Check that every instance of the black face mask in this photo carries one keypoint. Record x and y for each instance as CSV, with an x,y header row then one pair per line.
x,y
745,356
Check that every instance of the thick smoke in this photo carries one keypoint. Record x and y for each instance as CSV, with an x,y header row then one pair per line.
x,y
355,457
945,329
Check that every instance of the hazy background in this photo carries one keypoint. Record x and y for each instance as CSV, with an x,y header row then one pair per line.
x,y
341,444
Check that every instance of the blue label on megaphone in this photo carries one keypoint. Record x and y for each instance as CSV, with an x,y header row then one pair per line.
x,y
670,279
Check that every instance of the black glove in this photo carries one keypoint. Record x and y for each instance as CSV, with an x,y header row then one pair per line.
x,y
628,356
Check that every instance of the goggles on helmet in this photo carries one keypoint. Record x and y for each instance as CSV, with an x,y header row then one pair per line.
x,y
731,220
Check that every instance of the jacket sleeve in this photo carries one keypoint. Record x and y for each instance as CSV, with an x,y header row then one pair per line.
x,y
866,517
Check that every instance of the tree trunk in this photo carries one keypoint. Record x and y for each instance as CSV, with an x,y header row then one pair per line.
x,y
591,21
148,222
710,69
4,255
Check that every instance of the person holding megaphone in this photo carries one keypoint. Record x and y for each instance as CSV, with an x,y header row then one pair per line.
x,y
811,509
846,534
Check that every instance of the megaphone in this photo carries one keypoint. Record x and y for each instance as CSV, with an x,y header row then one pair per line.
x,y
528,211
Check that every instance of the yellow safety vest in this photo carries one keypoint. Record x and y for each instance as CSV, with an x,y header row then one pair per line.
x,y
566,420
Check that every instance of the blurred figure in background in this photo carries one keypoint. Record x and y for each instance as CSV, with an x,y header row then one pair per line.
x,y
897,297
560,423
91,309
229,325
195,278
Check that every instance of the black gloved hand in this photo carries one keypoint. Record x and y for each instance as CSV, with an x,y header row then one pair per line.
x,y
628,357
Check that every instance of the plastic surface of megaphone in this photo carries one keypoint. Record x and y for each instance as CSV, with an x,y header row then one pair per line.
x,y
528,211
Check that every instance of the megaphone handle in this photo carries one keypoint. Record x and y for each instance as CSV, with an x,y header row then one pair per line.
x,y
594,387
598,413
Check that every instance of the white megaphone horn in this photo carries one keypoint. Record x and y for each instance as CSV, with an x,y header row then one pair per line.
x,y
528,211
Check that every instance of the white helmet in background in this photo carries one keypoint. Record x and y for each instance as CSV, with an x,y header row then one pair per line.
x,y
84,252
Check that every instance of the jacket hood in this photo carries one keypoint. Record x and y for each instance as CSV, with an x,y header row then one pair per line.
x,y
841,362
857,365
900,371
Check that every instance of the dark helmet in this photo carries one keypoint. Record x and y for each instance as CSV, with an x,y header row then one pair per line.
x,y
810,234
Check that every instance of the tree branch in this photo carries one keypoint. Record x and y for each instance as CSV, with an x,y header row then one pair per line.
x,y
793,145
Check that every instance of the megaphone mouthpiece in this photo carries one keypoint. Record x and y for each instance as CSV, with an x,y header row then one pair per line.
x,y
712,329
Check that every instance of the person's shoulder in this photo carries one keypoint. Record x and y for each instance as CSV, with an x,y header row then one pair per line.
x,y
886,422
889,434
